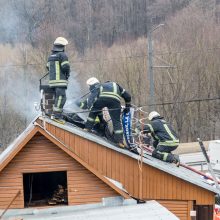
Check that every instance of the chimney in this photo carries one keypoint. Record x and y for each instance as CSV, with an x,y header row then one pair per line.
x,y
47,99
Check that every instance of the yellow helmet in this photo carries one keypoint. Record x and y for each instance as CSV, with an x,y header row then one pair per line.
x,y
61,41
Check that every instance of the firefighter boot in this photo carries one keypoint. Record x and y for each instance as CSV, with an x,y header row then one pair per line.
x,y
176,160
121,145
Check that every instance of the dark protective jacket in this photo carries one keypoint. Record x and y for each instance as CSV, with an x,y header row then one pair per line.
x,y
59,69
109,90
162,132
94,94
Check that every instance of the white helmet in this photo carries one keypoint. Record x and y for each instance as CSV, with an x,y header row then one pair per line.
x,y
91,81
61,41
153,114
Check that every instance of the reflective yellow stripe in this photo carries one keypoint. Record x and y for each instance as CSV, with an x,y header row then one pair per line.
x,y
101,89
58,83
152,131
55,81
97,119
56,109
165,155
169,132
123,91
151,128
118,131
90,119
110,96
169,143
57,67
48,64
115,88
81,105
59,101
64,62
111,93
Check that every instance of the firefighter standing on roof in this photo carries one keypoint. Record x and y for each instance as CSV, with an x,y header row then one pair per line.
x,y
59,72
108,95
165,138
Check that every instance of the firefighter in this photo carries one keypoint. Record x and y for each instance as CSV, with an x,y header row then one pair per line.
x,y
108,95
59,72
165,138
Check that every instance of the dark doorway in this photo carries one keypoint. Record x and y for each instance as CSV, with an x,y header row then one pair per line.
x,y
204,212
42,189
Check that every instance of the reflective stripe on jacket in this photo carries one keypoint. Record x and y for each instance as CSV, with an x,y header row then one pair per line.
x,y
115,91
59,69
106,90
110,90
162,132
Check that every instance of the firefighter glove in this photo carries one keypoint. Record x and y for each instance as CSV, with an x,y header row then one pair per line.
x,y
67,76
127,107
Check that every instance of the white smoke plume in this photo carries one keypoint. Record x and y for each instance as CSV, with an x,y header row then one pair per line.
x,y
74,92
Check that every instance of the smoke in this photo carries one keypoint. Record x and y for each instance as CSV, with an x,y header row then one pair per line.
x,y
20,91
74,92
9,22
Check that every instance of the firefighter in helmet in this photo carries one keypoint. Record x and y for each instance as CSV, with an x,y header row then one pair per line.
x,y
165,138
108,95
59,72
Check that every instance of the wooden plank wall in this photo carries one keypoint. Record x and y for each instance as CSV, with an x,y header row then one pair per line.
x,y
41,155
156,184
161,185
180,208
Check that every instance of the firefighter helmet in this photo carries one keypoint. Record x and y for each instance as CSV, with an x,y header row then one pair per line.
x,y
153,114
91,81
61,41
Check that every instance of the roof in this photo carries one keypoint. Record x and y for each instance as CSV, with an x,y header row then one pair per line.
x,y
26,136
179,172
150,210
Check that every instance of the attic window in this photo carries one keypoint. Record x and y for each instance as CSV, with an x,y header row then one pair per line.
x,y
43,189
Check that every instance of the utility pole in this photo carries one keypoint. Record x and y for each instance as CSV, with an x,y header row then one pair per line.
x,y
90,23
150,66
150,70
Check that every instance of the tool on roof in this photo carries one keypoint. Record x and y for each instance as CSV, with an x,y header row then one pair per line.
x,y
208,163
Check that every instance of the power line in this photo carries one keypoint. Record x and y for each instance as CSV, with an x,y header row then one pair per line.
x,y
185,51
186,101
114,58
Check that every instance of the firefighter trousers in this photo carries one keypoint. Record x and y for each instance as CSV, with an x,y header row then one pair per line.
x,y
60,99
114,107
164,153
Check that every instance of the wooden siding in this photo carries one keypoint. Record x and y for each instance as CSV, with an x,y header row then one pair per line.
x,y
161,185
179,208
41,155
156,184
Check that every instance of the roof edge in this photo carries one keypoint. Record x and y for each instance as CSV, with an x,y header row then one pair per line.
x,y
17,147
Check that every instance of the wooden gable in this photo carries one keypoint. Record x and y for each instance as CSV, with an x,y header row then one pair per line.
x,y
39,155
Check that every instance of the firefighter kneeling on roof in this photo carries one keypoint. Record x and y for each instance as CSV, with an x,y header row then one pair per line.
x,y
108,95
165,138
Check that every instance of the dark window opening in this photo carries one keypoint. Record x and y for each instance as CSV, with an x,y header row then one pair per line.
x,y
204,212
42,189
